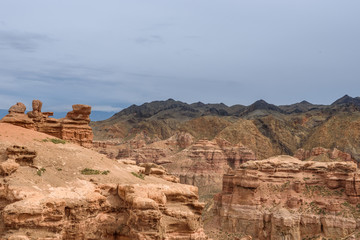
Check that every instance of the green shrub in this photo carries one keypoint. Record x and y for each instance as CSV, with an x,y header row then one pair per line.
x,y
89,171
54,140
139,175
40,171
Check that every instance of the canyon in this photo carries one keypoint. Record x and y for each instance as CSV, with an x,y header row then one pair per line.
x,y
221,141
171,170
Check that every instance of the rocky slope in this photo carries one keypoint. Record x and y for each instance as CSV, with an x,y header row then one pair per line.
x,y
266,129
286,198
64,191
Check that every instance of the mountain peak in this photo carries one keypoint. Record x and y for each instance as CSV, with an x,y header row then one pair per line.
x,y
305,102
346,99
262,105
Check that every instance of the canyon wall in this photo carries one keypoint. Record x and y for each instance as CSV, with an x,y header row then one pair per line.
x,y
286,198
204,163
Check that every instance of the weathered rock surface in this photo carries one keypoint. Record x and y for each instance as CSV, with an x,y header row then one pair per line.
x,y
204,163
80,112
285,198
61,202
17,108
21,155
323,154
74,127
157,171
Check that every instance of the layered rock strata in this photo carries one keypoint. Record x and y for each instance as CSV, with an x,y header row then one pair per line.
x,y
318,152
204,163
285,198
59,198
74,127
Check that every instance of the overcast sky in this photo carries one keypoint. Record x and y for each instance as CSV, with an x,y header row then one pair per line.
x,y
114,53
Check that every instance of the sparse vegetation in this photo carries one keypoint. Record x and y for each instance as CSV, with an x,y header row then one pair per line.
x,y
139,175
54,140
89,171
279,188
316,209
350,210
311,190
40,171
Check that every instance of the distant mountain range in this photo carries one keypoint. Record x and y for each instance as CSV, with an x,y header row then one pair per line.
x,y
265,128
180,110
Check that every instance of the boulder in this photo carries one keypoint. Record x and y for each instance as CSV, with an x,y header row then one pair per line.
x,y
18,108
79,112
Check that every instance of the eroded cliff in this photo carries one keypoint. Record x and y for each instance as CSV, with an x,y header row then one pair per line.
x,y
286,198
65,191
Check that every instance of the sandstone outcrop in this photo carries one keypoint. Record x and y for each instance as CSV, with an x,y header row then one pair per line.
x,y
58,200
18,117
285,198
16,156
17,108
74,127
157,171
21,155
329,154
142,149
204,163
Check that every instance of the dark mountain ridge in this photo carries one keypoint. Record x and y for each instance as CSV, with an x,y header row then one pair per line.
x,y
175,108
265,128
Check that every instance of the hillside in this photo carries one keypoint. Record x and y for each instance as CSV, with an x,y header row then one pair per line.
x,y
265,128
53,189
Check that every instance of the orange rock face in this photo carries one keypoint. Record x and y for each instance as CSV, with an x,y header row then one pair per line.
x,y
204,163
285,198
74,127
17,108
334,154
45,195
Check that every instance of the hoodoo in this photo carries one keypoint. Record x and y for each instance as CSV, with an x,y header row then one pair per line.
x,y
74,127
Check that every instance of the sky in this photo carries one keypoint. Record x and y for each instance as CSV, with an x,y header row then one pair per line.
x,y
114,53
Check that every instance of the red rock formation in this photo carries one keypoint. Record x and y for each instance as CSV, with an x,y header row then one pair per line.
x,y
285,198
204,163
17,108
184,139
17,116
21,155
56,200
334,154
74,127
143,155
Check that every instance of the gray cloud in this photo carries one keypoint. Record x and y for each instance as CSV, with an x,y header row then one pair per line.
x,y
154,39
22,41
122,52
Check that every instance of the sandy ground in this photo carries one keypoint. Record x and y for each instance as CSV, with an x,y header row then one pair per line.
x,y
63,162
